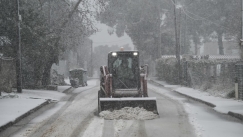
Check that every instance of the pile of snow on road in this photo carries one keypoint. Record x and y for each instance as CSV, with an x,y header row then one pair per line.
x,y
129,113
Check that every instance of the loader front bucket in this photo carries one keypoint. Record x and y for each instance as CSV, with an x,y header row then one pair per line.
x,y
148,103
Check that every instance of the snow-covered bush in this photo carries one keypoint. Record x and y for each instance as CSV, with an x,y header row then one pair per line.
x,y
167,70
214,76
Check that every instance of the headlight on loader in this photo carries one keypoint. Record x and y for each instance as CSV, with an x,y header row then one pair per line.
x,y
114,54
135,53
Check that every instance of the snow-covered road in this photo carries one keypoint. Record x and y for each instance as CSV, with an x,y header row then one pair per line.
x,y
76,116
206,121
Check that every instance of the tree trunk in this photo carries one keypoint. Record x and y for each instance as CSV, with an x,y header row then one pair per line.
x,y
47,73
195,40
157,46
54,59
220,43
38,75
196,47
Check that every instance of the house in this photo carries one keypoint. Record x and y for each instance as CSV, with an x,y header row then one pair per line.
x,y
211,48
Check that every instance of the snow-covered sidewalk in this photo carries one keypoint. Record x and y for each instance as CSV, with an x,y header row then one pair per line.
x,y
227,106
15,106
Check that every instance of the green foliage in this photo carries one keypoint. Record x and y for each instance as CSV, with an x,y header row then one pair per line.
x,y
8,26
33,36
205,17
141,20
168,44
46,29
151,23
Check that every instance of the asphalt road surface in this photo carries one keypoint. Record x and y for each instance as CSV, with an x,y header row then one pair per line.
x,y
76,116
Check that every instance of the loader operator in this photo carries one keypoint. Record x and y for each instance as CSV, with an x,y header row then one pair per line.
x,y
125,73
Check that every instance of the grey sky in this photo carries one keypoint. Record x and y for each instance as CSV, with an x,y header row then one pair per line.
x,y
102,37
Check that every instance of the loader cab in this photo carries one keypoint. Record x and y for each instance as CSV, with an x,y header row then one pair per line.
x,y
124,67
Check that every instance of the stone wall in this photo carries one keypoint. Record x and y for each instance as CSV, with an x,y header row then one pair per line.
x,y
7,74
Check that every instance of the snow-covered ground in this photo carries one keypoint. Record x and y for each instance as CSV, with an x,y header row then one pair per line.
x,y
68,115
91,83
67,81
14,105
222,105
9,112
63,88
207,122
129,113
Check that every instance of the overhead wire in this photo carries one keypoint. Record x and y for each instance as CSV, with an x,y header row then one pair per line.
x,y
219,25
189,15
198,17
185,11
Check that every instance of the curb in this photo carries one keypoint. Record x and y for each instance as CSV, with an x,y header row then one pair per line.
x,y
66,90
236,115
151,81
23,116
196,99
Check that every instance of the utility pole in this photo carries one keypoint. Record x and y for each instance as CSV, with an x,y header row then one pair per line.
x,y
176,36
91,59
159,40
49,15
18,47
185,36
177,42
179,47
179,37
241,41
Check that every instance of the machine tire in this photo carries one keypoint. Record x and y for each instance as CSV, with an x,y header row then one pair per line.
x,y
145,95
102,94
139,94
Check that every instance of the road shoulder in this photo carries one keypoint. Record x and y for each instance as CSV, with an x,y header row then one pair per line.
x,y
16,106
223,105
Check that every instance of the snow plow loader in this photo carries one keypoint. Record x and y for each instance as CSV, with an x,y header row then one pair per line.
x,y
124,84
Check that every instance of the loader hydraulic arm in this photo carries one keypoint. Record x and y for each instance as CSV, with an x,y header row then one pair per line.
x,y
105,81
143,80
